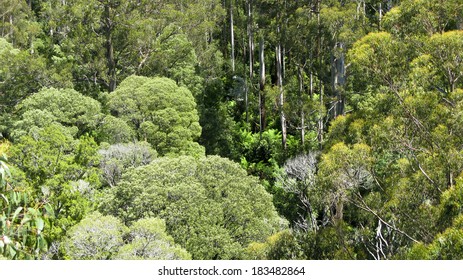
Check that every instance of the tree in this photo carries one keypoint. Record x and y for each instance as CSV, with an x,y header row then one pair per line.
x,y
65,107
109,40
61,170
162,113
211,207
21,74
426,17
148,240
96,237
23,219
118,158
445,57
385,52
347,176
113,130
18,23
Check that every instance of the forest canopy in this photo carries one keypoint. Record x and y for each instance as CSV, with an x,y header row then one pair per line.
x,y
235,129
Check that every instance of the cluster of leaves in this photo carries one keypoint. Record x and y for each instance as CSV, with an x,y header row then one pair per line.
x,y
210,205
22,219
99,237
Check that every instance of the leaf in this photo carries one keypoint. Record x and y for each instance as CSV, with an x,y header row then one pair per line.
x,y
42,243
4,198
32,211
12,251
25,220
39,223
50,210
16,198
16,213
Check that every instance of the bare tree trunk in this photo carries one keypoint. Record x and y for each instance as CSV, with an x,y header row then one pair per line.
x,y
380,16
301,102
338,77
320,117
108,28
3,28
251,54
261,85
250,39
11,33
279,69
232,34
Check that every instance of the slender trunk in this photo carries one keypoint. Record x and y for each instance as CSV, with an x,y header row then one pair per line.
x,y
301,102
232,37
311,85
11,30
261,85
251,53
250,39
108,28
279,69
380,16
338,77
364,12
320,117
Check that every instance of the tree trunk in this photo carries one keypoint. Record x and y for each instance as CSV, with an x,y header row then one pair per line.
x,y
250,38
261,85
232,34
301,102
380,18
279,69
108,28
338,77
320,117
11,30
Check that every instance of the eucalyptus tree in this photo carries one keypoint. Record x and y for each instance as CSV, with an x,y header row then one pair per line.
x,y
162,113
211,206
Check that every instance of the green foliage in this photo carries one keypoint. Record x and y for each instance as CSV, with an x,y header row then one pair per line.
x,y
21,74
344,171
372,97
96,237
280,246
149,240
62,171
211,207
445,53
447,245
162,114
376,59
424,17
113,130
219,134
22,219
118,158
66,106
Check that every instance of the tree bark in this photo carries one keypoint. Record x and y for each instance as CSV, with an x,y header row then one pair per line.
x,y
232,35
279,69
301,102
250,39
261,85
320,117
338,77
108,29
